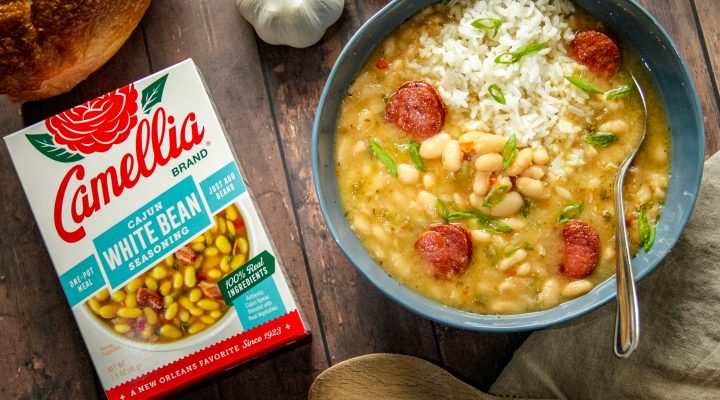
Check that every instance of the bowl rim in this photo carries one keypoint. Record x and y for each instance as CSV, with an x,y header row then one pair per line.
x,y
458,318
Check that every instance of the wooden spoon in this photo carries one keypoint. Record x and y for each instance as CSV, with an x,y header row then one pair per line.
x,y
391,376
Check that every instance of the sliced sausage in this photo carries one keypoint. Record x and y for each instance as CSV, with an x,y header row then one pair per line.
x,y
416,109
448,248
185,254
597,51
148,298
580,253
210,289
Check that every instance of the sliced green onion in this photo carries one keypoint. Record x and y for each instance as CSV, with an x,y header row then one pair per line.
x,y
497,93
485,221
385,98
487,23
493,225
646,231
442,210
600,139
583,84
525,210
617,92
509,150
521,52
414,148
495,196
525,246
384,157
571,212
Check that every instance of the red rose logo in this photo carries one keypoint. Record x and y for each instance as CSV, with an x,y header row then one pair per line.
x,y
98,124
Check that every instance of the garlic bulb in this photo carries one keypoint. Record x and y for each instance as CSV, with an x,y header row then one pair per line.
x,y
296,23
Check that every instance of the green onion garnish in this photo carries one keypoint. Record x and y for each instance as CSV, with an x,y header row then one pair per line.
x,y
600,139
617,92
571,212
497,93
384,157
509,151
442,210
487,23
487,222
583,84
495,196
525,246
647,231
525,210
414,148
522,51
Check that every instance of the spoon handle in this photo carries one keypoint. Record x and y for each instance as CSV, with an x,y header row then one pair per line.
x,y
627,318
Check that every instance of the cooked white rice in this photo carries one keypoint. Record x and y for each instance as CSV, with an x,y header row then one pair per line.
x,y
460,62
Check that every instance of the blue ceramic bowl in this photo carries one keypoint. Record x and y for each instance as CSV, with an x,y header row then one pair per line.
x,y
636,29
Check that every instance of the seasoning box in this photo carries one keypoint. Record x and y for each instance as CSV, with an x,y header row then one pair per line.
x,y
157,242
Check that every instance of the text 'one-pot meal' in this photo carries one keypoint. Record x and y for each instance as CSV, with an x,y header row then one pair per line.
x,y
477,149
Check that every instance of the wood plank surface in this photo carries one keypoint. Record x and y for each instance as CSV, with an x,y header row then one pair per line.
x,y
677,17
266,96
708,16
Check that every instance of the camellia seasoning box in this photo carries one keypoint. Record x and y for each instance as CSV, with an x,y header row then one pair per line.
x,y
156,240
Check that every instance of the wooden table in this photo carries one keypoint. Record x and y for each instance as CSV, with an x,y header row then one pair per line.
x,y
266,95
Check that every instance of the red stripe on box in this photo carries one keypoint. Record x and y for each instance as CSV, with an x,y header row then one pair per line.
x,y
212,359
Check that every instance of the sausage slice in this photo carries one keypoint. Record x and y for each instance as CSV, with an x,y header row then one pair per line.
x,y
597,51
580,253
448,248
416,109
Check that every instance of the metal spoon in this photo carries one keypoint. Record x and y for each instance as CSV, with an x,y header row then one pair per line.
x,y
627,319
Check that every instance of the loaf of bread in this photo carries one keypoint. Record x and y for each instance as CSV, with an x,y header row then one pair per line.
x,y
49,46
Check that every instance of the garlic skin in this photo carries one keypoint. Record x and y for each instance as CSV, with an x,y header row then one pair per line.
x,y
296,23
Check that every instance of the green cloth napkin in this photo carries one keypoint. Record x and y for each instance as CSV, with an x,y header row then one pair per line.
x,y
679,352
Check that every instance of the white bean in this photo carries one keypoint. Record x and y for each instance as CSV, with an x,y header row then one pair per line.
x,y
509,205
428,181
476,200
614,105
516,258
480,236
550,295
407,173
481,184
360,147
433,147
577,288
523,269
360,225
643,194
564,193
608,252
428,201
515,223
459,200
530,187
534,171
489,162
616,126
522,160
540,156
479,142
452,156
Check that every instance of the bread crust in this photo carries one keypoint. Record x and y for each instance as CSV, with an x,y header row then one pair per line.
x,y
49,46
